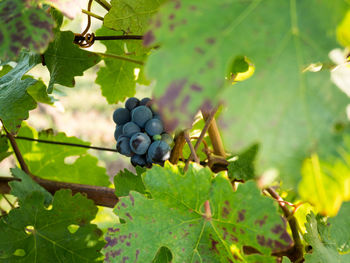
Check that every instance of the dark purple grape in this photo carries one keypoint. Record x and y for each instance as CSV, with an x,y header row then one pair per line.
x,y
118,132
144,101
153,127
130,128
132,103
158,151
167,138
121,116
123,146
139,143
138,160
140,115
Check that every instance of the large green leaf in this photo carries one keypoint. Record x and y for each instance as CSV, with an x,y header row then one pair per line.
x,y
117,78
33,233
286,111
324,249
325,185
15,102
23,26
50,160
340,228
176,218
131,16
65,60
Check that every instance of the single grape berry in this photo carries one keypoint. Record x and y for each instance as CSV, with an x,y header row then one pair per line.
x,y
144,101
123,146
132,103
118,132
138,160
159,151
140,115
167,138
121,116
130,128
139,143
156,137
153,127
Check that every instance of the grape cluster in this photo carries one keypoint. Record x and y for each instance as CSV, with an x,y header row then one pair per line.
x,y
140,133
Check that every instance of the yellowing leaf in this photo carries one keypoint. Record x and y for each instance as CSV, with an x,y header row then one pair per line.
x,y
343,31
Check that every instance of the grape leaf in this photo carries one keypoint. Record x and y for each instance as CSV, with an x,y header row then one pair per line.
x,y
65,60
26,186
243,167
42,235
131,16
4,147
325,185
117,78
323,249
190,71
125,181
340,228
50,160
15,102
23,26
175,218
70,8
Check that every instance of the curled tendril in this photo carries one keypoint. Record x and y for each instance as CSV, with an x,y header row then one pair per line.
x,y
85,41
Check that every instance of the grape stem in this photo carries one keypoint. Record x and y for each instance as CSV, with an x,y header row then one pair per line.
x,y
106,55
295,254
92,14
201,136
193,151
104,4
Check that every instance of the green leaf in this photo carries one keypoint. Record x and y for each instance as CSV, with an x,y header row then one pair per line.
x,y
65,60
323,249
242,168
15,102
26,186
23,26
176,218
288,112
239,65
60,162
4,147
286,260
340,228
33,233
131,16
117,78
125,181
325,185
163,256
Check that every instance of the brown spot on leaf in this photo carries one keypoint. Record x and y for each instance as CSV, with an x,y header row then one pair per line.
x,y
210,64
213,245
241,215
225,212
233,238
284,236
148,38
132,199
193,7
171,16
242,231
125,259
210,40
128,244
171,27
261,240
123,204
196,87
261,222
277,229
158,23
199,50
137,254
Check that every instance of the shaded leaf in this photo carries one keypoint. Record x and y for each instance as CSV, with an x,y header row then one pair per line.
x,y
131,16
4,147
60,162
23,26
242,168
43,235
117,78
323,249
65,60
176,218
126,181
340,228
15,102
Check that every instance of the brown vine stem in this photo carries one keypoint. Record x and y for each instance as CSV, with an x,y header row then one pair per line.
x,y
106,55
122,37
201,136
296,254
193,151
214,134
177,149
92,14
104,4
